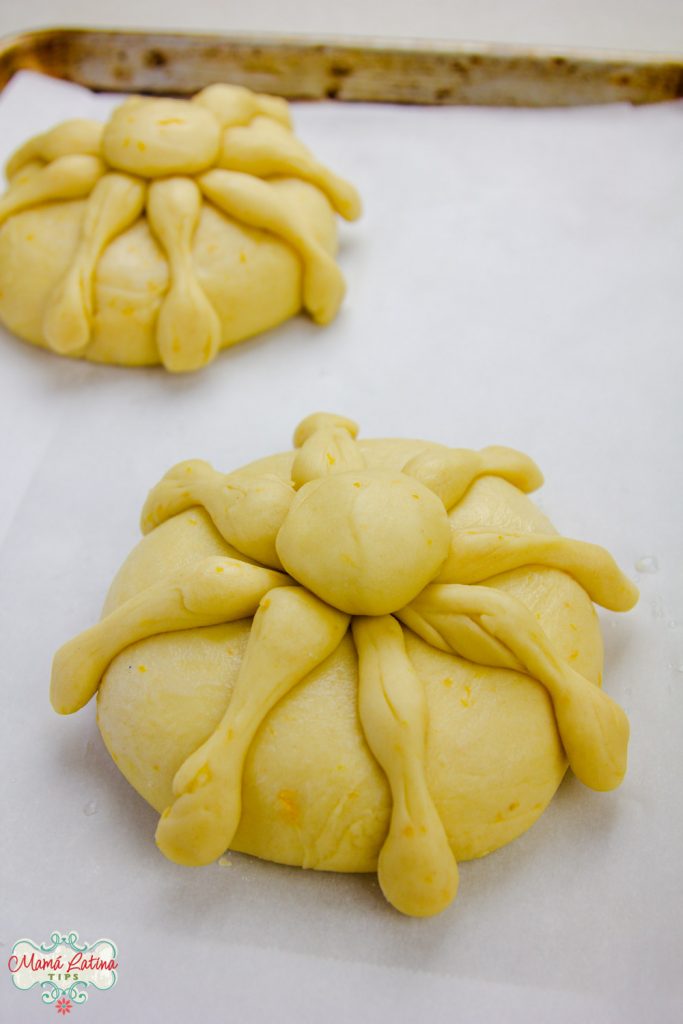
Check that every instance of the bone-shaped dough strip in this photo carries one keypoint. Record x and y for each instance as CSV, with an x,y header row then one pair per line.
x,y
451,472
26,171
292,633
476,555
114,204
247,511
69,177
417,870
258,204
327,445
188,328
213,591
460,634
234,105
266,149
77,136
316,421
593,728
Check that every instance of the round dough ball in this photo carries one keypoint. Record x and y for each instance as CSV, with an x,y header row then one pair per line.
x,y
366,542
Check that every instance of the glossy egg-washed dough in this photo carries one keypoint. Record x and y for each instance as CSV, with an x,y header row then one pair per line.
x,y
177,228
357,656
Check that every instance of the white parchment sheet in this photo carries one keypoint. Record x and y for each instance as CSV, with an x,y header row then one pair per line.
x,y
517,278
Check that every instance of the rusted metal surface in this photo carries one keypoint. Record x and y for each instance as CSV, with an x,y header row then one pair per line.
x,y
372,71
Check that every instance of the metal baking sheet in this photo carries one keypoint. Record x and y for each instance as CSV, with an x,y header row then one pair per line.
x,y
354,70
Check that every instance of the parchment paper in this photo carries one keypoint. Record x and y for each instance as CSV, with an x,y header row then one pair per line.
x,y
517,279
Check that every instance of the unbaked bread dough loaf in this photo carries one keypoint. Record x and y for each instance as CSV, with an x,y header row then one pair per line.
x,y
356,656
172,231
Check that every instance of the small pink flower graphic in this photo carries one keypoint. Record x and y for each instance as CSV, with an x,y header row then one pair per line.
x,y
63,1006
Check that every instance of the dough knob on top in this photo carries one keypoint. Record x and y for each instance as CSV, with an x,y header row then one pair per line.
x,y
367,541
156,137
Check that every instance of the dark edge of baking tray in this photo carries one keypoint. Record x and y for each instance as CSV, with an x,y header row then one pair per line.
x,y
417,72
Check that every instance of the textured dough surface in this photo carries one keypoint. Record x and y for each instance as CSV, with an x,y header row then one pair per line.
x,y
313,794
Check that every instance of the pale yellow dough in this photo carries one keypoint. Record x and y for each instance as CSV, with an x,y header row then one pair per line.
x,y
175,230
370,719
